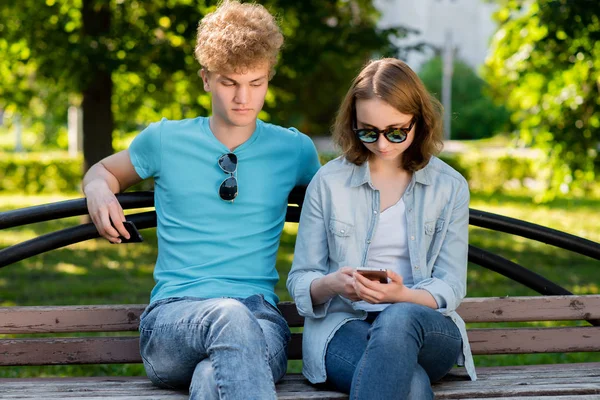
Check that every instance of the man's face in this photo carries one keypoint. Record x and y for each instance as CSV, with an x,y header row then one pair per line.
x,y
237,98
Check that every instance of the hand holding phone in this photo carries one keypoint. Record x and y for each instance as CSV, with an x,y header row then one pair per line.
x,y
374,274
134,234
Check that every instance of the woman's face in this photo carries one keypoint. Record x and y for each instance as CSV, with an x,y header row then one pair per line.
x,y
376,113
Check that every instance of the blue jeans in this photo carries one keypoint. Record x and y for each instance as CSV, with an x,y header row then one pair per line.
x,y
219,348
393,354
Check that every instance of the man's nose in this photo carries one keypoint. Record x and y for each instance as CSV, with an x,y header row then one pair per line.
x,y
242,95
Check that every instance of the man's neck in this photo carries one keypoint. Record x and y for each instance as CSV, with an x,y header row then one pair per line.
x,y
230,135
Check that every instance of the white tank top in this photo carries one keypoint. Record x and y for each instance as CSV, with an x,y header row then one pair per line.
x,y
389,249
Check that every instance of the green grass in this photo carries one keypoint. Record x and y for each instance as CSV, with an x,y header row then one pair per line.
x,y
96,272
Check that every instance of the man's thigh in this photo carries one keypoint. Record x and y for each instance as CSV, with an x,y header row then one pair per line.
x,y
173,333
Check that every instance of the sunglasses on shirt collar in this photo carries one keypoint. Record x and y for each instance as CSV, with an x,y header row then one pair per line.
x,y
393,135
228,190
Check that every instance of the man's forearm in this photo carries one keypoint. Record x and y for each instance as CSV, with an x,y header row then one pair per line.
x,y
98,175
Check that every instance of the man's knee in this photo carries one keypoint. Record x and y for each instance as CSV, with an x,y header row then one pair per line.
x,y
234,317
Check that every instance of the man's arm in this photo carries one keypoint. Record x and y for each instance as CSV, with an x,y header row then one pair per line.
x,y
111,175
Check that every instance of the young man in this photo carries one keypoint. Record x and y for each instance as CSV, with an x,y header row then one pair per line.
x,y
221,188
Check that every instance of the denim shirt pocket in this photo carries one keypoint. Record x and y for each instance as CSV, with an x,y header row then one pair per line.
x,y
432,236
340,237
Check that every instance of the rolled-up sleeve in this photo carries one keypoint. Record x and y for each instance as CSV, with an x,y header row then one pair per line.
x,y
448,281
311,254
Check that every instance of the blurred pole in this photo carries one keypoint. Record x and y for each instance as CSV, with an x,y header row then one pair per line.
x,y
75,130
448,62
18,133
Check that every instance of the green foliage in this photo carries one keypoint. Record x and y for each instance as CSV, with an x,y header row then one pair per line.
x,y
33,173
48,172
48,56
486,171
489,172
545,59
474,115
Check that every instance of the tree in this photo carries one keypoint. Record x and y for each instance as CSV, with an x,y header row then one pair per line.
x,y
131,62
545,60
474,115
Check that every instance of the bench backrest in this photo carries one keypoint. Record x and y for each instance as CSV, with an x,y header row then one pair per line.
x,y
124,319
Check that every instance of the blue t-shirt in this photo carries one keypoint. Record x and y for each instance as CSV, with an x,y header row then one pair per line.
x,y
208,247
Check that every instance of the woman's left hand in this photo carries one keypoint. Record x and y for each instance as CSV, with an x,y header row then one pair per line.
x,y
375,292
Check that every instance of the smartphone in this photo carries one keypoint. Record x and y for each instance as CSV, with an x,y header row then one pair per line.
x,y
374,274
134,234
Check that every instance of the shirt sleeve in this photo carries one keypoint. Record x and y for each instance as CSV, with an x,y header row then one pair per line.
x,y
448,281
145,151
308,162
311,255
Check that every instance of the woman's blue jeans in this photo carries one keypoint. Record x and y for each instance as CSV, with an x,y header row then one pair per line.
x,y
393,354
218,348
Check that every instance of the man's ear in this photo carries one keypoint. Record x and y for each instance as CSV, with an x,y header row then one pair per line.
x,y
204,75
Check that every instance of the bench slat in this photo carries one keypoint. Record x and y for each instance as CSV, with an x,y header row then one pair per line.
x,y
114,318
558,382
98,350
534,340
530,308
82,350
57,319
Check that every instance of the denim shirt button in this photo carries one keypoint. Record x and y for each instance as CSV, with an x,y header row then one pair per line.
x,y
374,211
341,231
416,267
368,241
412,238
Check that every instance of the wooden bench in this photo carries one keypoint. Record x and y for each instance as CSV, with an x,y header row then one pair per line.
x,y
559,381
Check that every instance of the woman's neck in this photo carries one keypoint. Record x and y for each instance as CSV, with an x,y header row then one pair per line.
x,y
385,168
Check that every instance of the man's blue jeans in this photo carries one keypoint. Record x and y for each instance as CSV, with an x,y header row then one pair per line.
x,y
394,354
220,348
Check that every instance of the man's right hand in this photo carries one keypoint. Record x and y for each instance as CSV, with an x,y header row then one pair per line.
x,y
105,211
111,175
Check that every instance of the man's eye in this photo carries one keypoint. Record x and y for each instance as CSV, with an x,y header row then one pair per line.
x,y
256,84
227,83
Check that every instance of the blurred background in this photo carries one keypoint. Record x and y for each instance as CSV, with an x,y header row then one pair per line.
x,y
520,82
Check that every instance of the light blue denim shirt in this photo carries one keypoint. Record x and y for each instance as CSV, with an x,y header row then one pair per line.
x,y
339,217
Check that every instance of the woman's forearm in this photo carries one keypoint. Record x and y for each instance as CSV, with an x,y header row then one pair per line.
x,y
321,290
420,296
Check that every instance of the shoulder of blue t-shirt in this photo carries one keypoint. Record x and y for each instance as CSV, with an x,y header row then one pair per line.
x,y
174,124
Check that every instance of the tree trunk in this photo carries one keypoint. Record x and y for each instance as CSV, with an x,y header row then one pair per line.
x,y
98,120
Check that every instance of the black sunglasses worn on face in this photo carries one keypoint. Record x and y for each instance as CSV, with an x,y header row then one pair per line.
x,y
394,135
229,187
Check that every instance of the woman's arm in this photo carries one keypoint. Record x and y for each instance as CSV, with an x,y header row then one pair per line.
x,y
310,281
448,281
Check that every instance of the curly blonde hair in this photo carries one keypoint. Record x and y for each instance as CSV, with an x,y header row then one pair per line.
x,y
392,81
237,37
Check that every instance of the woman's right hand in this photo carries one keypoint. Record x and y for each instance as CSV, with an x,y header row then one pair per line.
x,y
342,282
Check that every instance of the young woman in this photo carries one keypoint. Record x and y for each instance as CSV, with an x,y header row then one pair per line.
x,y
386,204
